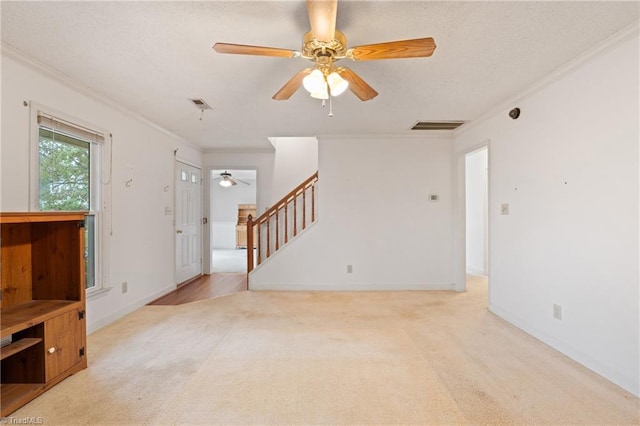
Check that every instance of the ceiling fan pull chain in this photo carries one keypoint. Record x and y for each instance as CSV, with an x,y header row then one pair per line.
x,y
330,105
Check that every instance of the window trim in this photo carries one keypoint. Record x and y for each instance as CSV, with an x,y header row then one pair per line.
x,y
100,189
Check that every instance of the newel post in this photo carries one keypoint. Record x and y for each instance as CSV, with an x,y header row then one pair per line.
x,y
249,244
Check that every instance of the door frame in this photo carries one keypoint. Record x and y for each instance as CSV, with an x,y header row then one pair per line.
x,y
200,215
460,217
208,213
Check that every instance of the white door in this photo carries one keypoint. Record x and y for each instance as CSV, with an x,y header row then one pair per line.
x,y
188,222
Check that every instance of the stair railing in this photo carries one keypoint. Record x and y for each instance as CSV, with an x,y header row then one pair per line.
x,y
274,227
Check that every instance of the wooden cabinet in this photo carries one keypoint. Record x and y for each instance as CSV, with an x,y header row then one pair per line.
x,y
64,343
43,326
244,210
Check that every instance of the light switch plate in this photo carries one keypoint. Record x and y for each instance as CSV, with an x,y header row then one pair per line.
x,y
557,311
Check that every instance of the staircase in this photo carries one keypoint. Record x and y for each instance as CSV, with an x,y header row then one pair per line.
x,y
282,222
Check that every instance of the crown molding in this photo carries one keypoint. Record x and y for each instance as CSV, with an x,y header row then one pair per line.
x,y
415,134
50,72
628,32
238,151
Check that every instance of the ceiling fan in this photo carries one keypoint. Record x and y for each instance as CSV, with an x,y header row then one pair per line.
x,y
325,45
226,180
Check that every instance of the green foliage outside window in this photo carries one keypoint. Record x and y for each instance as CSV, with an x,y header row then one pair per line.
x,y
64,172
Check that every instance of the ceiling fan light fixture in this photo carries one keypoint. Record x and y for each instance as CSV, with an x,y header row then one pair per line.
x,y
337,84
315,82
323,93
225,183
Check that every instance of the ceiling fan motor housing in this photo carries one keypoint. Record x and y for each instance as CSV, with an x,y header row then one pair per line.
x,y
335,49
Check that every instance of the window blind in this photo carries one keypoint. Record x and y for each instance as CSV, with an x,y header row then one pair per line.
x,y
62,126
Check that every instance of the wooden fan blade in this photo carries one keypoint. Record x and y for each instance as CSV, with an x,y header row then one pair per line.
x,y
357,85
243,49
322,17
291,86
416,48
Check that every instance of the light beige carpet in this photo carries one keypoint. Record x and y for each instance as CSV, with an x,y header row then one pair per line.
x,y
303,358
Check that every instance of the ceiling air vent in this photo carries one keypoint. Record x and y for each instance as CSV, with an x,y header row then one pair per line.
x,y
437,125
200,104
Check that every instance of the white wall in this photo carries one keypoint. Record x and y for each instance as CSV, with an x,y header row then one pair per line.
x,y
296,159
568,168
142,246
476,211
224,215
374,214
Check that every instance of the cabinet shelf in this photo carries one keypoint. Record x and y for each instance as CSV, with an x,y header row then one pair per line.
x,y
42,303
20,317
15,395
18,346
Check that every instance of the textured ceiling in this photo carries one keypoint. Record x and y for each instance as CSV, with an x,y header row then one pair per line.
x,y
150,57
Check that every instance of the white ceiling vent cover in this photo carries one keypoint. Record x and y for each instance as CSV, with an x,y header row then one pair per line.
x,y
200,104
437,125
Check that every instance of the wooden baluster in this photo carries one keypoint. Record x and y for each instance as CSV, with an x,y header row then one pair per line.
x,y
313,202
295,215
304,208
286,221
277,228
268,236
258,247
249,243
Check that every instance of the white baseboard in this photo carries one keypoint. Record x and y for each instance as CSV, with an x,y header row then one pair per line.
x,y
472,270
93,326
627,383
349,287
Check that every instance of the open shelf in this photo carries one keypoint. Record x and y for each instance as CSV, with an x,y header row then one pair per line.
x,y
14,395
18,346
20,317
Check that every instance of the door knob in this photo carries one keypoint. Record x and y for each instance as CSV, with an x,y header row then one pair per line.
x,y
179,231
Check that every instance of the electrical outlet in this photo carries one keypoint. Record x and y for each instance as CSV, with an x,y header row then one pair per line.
x,y
125,287
504,209
557,311
349,269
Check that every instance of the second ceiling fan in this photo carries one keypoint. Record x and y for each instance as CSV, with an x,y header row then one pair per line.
x,y
226,180
325,45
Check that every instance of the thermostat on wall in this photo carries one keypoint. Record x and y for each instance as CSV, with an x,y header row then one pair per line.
x,y
434,198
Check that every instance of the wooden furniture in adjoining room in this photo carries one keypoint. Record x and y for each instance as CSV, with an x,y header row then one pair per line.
x,y
42,311
244,210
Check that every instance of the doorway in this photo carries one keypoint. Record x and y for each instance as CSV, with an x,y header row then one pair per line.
x,y
476,190
188,222
476,206
233,194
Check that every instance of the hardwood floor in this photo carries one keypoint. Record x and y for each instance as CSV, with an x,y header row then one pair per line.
x,y
205,287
